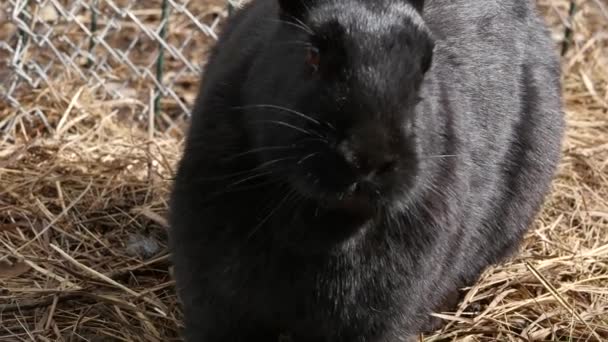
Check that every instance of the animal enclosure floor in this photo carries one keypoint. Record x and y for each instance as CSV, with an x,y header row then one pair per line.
x,y
83,199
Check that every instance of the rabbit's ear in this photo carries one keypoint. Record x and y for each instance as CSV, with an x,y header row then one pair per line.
x,y
427,58
295,8
418,5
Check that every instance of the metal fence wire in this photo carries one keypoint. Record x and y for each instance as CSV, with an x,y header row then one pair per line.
x,y
116,47
121,49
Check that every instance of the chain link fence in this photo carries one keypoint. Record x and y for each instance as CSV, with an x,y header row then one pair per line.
x,y
120,49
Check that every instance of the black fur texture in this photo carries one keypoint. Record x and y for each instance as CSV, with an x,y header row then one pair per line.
x,y
351,164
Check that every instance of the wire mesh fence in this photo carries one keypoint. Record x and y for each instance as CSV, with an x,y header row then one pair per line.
x,y
121,49
100,197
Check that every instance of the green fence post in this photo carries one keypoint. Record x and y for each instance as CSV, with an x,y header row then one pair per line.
x,y
93,29
23,36
568,34
160,61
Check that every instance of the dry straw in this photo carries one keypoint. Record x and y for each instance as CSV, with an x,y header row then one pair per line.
x,y
83,196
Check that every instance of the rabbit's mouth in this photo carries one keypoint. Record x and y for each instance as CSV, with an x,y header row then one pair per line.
x,y
359,199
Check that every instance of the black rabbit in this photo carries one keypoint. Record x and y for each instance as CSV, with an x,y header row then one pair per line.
x,y
352,163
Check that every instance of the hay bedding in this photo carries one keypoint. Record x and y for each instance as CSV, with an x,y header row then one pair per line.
x,y
83,235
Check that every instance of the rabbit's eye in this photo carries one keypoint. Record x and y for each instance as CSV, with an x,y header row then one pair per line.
x,y
313,58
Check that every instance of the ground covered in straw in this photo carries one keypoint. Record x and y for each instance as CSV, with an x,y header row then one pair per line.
x,y
83,198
